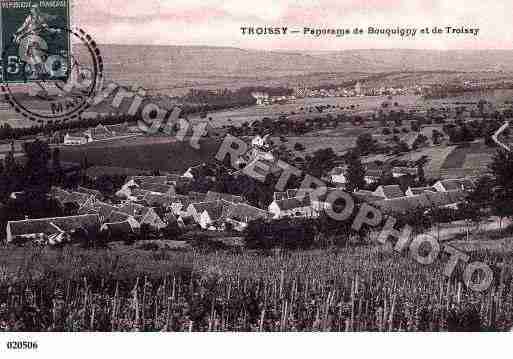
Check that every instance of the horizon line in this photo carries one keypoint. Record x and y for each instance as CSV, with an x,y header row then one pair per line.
x,y
301,50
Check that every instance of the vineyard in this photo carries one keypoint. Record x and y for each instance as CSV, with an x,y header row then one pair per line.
x,y
352,289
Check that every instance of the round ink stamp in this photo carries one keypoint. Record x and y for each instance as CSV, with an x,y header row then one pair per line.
x,y
49,72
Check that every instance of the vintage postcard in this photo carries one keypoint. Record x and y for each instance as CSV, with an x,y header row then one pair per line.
x,y
281,166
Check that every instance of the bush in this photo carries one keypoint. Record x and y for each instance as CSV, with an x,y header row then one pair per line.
x,y
299,147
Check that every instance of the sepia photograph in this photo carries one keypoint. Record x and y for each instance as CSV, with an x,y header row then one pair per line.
x,y
283,167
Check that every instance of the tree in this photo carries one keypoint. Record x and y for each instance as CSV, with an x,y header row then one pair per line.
x,y
437,137
37,179
365,143
321,162
299,147
415,126
104,184
355,172
421,175
172,231
71,209
401,147
420,141
501,169
56,165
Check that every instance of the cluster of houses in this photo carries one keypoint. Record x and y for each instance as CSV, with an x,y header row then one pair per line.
x,y
149,201
338,176
390,199
152,201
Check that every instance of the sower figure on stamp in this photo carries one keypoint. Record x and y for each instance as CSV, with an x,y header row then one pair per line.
x,y
33,48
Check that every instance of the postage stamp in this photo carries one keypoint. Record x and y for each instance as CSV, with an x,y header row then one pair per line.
x,y
35,43
50,71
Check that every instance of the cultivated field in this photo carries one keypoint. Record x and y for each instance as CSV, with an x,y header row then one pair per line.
x,y
362,104
454,161
314,143
145,153
352,289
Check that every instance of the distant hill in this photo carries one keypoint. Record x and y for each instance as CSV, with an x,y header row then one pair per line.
x,y
175,69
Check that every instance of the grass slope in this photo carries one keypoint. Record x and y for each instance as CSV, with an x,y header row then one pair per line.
x,y
146,153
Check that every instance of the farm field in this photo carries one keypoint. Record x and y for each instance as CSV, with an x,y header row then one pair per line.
x,y
250,114
454,161
144,153
469,156
314,143
351,289
362,104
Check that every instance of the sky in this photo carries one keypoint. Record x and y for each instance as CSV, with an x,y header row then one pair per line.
x,y
218,22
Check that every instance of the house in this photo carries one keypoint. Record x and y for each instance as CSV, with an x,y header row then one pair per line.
x,y
64,197
292,207
366,196
143,215
192,171
321,203
260,168
280,196
402,205
126,192
179,204
389,192
216,196
103,210
196,196
415,191
404,171
424,201
338,175
118,231
137,180
119,217
157,188
70,140
56,228
290,193
155,184
92,192
449,199
110,214
373,176
195,210
260,142
101,132
240,215
460,184
212,214
152,199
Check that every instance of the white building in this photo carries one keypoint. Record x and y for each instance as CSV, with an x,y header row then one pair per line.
x,y
293,207
262,98
459,184
76,140
338,175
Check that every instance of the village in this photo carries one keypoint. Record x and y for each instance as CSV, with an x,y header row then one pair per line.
x,y
152,203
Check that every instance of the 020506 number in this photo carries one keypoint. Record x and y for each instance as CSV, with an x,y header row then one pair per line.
x,y
21,345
